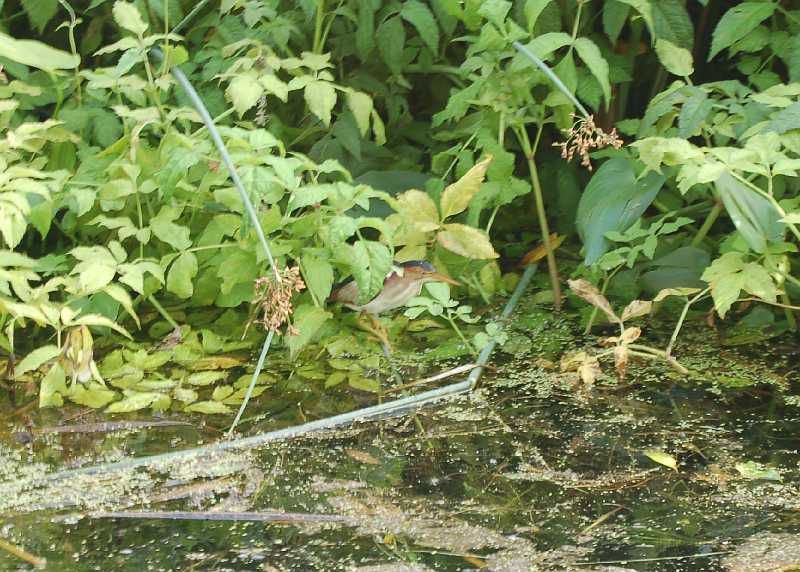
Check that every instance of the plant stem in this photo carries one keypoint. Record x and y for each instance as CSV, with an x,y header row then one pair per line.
x,y
163,312
679,325
790,319
317,47
625,88
552,268
711,218
460,333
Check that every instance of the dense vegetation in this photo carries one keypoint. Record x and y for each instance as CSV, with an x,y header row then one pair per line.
x,y
367,132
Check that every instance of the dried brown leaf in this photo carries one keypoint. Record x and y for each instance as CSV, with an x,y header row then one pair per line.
x,y
630,335
591,294
621,355
636,309
589,370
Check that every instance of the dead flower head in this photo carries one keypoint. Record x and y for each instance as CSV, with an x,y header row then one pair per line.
x,y
272,304
583,137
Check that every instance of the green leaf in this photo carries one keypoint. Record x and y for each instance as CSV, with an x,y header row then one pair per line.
x,y
205,377
36,54
121,295
207,407
420,16
94,395
737,22
753,215
308,319
612,201
392,42
467,241
729,274
52,387
166,230
645,9
362,383
275,86
365,30
361,105
672,22
370,263
615,14
676,60
244,91
179,279
134,401
321,99
39,12
456,197
318,275
533,9
694,113
127,16
591,56
36,359
662,458
495,11
756,471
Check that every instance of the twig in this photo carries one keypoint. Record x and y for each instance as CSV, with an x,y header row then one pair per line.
x,y
22,554
437,377
213,515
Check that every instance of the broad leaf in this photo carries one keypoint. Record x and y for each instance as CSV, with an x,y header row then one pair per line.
x,y
418,210
466,241
532,10
181,273
127,16
392,42
456,197
36,54
421,17
753,215
244,91
308,319
321,99
737,22
591,56
36,359
676,60
318,275
612,201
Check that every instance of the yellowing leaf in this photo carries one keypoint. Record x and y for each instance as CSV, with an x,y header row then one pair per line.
x,y
207,407
418,210
621,355
36,54
244,91
456,197
636,309
321,98
589,370
361,106
662,458
127,16
362,457
591,294
667,292
630,335
467,241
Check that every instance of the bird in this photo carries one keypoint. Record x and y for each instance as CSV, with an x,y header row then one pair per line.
x,y
403,283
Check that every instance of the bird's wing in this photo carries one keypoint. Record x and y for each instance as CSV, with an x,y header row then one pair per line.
x,y
346,293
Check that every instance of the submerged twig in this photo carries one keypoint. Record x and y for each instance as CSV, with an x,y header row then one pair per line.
x,y
439,376
23,554
212,515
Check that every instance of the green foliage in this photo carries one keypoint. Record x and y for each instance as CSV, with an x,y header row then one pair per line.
x,y
367,132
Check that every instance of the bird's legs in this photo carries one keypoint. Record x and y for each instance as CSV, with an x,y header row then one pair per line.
x,y
376,329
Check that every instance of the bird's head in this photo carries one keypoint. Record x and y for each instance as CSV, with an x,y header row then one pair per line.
x,y
424,272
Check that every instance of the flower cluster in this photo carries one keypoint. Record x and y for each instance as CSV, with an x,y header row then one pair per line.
x,y
272,303
584,136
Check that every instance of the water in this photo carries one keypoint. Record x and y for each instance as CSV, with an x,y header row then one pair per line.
x,y
531,472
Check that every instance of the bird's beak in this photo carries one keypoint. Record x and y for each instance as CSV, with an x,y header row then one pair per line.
x,y
437,277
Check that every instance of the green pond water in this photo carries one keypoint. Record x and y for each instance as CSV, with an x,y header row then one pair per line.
x,y
529,472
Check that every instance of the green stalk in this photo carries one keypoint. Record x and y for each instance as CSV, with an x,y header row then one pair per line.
x,y
552,268
161,310
711,218
320,19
